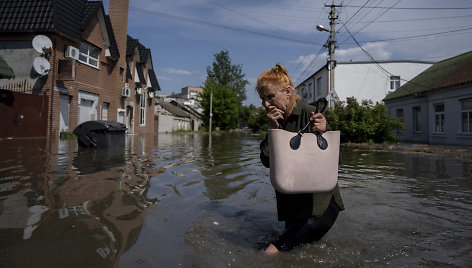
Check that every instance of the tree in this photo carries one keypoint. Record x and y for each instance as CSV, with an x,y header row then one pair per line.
x,y
225,105
257,120
222,72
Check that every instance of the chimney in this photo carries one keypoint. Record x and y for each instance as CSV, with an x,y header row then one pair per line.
x,y
118,12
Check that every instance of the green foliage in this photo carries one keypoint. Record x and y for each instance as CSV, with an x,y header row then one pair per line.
x,y
223,72
68,135
363,122
257,120
225,105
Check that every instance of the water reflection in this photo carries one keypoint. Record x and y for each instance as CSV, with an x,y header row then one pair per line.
x,y
191,201
71,207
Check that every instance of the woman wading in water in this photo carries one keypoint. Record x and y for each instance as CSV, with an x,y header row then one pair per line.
x,y
308,217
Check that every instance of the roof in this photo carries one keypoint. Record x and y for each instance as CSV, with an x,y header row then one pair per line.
x,y
131,44
139,69
43,15
447,73
5,70
173,109
65,17
144,54
115,53
153,78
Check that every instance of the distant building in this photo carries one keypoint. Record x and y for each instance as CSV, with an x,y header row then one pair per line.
x,y
436,105
362,80
179,111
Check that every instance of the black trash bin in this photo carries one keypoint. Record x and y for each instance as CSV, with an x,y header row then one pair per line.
x,y
101,134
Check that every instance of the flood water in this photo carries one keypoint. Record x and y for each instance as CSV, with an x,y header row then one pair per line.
x,y
185,200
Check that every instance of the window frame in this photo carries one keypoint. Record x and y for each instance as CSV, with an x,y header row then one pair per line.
x,y
468,113
142,110
89,55
439,116
395,82
416,119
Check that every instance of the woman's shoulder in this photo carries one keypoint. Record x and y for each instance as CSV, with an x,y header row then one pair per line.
x,y
304,107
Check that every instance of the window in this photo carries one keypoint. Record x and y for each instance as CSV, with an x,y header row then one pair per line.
x,y
310,90
439,118
394,82
142,109
89,54
105,111
400,117
466,116
318,87
417,119
122,76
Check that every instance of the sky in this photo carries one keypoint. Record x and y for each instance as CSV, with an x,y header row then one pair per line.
x,y
184,35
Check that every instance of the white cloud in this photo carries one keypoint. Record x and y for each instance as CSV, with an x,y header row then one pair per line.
x,y
377,50
177,71
163,78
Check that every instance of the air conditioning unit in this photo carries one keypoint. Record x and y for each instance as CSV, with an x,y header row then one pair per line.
x,y
72,52
139,91
151,95
125,92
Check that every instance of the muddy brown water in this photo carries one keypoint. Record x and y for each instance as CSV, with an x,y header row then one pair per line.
x,y
185,200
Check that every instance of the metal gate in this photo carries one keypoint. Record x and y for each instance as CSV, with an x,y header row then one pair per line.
x,y
23,115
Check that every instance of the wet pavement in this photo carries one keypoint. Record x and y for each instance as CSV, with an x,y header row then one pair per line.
x,y
185,200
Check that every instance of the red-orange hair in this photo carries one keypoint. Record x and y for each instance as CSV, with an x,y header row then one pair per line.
x,y
277,78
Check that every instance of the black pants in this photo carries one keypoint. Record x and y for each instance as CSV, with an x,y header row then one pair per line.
x,y
298,232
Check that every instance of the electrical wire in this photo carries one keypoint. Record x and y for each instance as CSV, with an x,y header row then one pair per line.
x,y
417,8
376,63
414,36
221,26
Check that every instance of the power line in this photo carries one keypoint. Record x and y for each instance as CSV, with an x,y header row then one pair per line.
x,y
418,19
354,14
414,36
381,14
221,26
247,16
376,63
418,8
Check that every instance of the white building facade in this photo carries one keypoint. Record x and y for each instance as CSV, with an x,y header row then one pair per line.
x,y
362,80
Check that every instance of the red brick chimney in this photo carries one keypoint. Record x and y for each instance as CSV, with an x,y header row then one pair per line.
x,y
118,12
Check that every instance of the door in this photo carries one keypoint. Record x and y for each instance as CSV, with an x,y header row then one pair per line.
x,y
130,119
64,113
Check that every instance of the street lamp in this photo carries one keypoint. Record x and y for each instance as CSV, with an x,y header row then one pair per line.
x,y
331,96
321,28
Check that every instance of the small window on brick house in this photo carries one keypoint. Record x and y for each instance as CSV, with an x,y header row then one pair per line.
x,y
89,54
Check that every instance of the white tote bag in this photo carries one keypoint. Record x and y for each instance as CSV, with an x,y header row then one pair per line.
x,y
307,169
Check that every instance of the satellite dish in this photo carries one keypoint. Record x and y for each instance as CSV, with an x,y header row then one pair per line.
x,y
41,65
40,42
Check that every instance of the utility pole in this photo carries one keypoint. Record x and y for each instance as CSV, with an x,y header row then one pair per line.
x,y
332,96
211,106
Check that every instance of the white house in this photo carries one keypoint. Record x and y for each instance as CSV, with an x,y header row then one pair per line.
x,y
362,80
436,106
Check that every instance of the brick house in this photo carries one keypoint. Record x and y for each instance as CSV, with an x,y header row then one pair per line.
x,y
84,75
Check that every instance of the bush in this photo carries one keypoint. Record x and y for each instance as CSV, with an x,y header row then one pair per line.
x,y
363,122
257,120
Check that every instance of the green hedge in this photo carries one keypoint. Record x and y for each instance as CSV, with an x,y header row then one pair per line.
x,y
363,122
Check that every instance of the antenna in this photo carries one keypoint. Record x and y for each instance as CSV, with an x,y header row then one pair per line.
x,y
41,42
41,66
